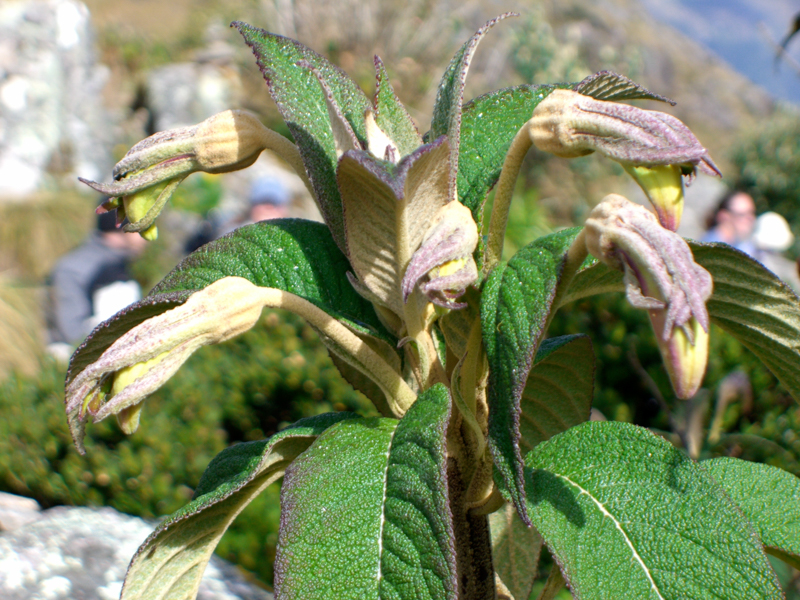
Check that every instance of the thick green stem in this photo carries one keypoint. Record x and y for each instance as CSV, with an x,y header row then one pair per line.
x,y
502,197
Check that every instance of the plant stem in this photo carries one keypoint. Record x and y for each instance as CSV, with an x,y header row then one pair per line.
x,y
554,584
502,197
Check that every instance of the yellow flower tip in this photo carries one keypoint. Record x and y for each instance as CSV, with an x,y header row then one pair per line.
x,y
150,234
128,419
449,268
685,356
663,186
127,375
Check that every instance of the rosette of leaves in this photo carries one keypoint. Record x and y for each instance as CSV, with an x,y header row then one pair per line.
x,y
482,413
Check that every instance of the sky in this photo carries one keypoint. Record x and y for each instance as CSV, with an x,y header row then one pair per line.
x,y
736,31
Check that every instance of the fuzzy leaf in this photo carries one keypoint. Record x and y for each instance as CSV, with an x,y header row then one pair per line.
x,y
391,116
559,389
607,85
488,126
769,497
749,302
515,306
170,563
302,104
289,254
450,96
628,516
387,208
515,551
377,525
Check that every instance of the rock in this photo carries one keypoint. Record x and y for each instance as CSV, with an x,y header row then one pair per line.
x,y
83,553
186,93
51,117
16,511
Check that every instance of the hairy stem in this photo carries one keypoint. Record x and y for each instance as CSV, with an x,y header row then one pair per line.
x,y
502,197
399,396
287,151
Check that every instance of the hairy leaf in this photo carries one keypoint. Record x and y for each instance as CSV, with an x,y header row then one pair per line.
x,y
607,85
391,116
749,302
558,392
488,126
515,306
515,551
365,511
387,208
627,515
289,254
769,497
170,563
302,104
450,96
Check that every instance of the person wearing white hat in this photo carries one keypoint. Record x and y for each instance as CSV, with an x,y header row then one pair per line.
x,y
772,237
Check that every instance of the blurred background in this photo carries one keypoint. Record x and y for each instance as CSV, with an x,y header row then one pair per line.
x,y
82,82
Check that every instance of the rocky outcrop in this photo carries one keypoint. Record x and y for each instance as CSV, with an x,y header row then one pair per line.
x,y
83,553
52,121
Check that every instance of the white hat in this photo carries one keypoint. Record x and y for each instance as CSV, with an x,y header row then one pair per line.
x,y
772,233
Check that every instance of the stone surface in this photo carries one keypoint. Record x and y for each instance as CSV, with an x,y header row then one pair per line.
x,y
52,121
16,511
83,554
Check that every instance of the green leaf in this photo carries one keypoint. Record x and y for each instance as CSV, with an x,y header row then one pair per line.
x,y
488,126
627,515
559,389
391,116
302,105
289,254
769,497
171,562
749,302
607,85
450,96
365,511
515,307
515,551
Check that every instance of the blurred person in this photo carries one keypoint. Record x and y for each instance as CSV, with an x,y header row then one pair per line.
x,y
732,222
772,237
92,283
269,199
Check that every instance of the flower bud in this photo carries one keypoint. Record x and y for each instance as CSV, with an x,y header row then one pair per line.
x,y
443,264
654,147
661,277
143,359
685,354
149,173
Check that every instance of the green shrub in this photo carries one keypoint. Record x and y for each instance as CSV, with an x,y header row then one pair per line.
x,y
246,389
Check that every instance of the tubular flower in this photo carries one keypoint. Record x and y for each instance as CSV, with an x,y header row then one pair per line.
x,y
149,173
140,361
654,147
661,277
443,264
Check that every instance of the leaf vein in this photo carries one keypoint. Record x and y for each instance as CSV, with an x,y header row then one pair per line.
x,y
618,525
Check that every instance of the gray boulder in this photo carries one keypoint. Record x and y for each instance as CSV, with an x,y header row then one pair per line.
x,y
51,116
83,554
